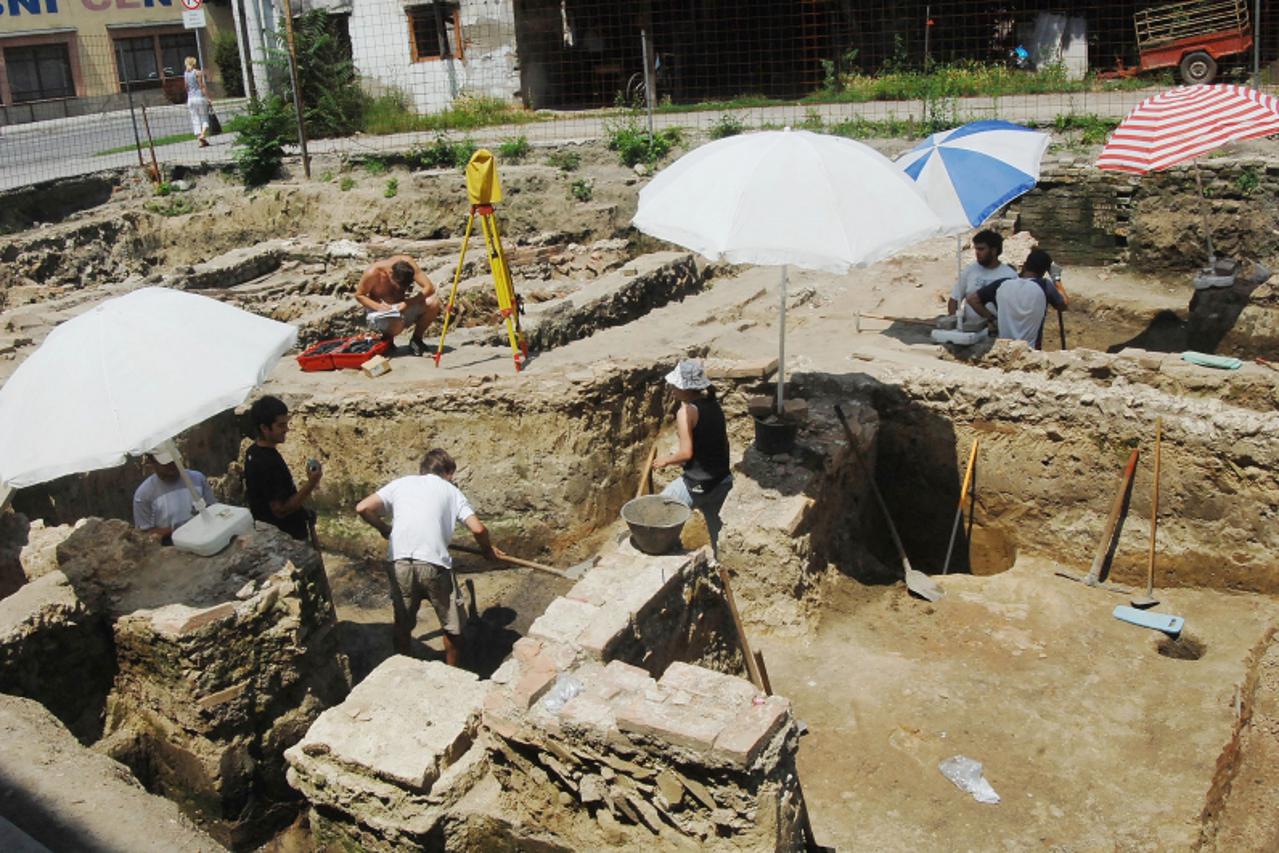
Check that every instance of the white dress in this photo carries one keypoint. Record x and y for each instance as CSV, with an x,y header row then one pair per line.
x,y
197,105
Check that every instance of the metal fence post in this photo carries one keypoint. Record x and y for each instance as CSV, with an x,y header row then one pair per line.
x,y
128,90
297,94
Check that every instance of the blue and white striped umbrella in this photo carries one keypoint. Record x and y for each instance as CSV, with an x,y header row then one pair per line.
x,y
970,172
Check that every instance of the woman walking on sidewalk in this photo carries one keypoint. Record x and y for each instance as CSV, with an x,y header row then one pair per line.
x,y
197,101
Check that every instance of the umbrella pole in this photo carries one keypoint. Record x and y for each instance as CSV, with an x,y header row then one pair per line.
x,y
6,492
1203,211
196,497
781,347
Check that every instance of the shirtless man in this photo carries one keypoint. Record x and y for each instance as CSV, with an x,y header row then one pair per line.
x,y
388,285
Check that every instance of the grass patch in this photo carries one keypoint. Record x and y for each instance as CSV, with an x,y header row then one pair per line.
x,y
170,205
375,165
158,141
346,183
391,113
1093,129
633,144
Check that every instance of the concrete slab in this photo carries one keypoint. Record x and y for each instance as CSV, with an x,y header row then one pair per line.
x,y
405,723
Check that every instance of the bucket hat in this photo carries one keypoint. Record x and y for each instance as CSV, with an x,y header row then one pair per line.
x,y
688,375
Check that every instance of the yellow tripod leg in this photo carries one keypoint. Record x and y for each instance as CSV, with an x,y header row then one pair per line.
x,y
457,276
506,298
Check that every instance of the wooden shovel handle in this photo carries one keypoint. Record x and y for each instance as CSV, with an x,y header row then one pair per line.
x,y
1154,509
1103,546
968,474
646,476
515,561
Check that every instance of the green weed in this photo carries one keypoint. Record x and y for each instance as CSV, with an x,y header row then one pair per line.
x,y
392,113
565,159
346,183
633,145
441,154
1247,183
582,189
515,149
727,125
375,166
392,188
1093,129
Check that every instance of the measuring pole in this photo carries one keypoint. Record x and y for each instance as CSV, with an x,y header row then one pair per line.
x,y
1256,46
297,94
133,116
650,84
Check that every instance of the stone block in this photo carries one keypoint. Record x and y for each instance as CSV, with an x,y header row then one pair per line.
x,y
651,581
796,410
611,623
690,726
588,712
751,368
750,730
525,649
405,723
627,678
535,679
174,620
724,691
562,621
761,406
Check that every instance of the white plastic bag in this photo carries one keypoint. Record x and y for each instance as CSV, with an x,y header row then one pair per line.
x,y
966,774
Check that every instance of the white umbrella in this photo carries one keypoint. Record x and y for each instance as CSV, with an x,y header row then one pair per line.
x,y
125,377
786,197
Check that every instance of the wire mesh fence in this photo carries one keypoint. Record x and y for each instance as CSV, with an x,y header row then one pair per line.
x,y
386,75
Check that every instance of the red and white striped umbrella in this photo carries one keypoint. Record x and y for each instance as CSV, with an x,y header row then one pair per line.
x,y
1182,123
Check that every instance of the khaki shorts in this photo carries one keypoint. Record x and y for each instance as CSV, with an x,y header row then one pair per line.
x,y
413,580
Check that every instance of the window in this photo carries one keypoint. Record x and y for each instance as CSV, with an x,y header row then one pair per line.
x,y
39,72
145,60
435,31
174,50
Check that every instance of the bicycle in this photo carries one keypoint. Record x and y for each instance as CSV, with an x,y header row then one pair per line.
x,y
636,94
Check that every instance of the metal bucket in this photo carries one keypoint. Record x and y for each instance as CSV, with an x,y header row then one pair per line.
x,y
655,522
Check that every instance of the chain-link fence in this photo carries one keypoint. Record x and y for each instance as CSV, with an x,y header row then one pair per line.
x,y
385,75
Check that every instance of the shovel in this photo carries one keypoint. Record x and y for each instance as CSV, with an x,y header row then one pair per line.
x,y
1093,578
1149,600
916,581
571,573
959,510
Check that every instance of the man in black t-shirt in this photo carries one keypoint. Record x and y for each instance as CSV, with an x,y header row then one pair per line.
x,y
268,485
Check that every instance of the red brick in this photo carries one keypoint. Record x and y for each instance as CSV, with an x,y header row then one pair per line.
x,y
750,730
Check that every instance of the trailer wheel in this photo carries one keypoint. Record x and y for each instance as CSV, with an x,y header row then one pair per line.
x,y
1198,67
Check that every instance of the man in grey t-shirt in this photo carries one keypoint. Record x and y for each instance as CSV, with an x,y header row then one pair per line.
x,y
163,503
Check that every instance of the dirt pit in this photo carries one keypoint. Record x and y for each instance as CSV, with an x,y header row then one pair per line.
x,y
1071,712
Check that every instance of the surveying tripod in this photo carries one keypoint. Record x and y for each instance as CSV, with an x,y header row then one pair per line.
x,y
483,191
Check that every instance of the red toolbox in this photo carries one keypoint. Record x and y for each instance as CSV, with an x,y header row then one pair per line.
x,y
342,353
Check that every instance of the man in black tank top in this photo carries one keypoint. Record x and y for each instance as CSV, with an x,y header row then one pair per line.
x,y
703,448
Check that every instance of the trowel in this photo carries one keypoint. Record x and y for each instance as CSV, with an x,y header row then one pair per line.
x,y
571,573
916,581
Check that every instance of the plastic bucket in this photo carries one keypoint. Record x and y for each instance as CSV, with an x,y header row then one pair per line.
x,y
655,523
773,435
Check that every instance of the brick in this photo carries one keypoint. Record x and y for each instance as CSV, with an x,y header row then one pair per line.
x,y
507,672
627,678
724,690
750,730
500,713
221,697
563,621
610,624
761,406
533,682
757,368
689,726
648,585
178,619
525,649
588,712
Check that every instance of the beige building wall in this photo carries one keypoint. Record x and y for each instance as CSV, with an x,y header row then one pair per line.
x,y
90,29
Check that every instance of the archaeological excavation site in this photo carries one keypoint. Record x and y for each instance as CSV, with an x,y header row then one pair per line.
x,y
787,689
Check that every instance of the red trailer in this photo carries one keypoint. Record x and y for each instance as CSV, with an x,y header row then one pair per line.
x,y
1191,36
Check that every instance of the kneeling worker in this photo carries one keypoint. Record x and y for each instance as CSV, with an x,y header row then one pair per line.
x,y
163,503
424,510
1023,302
386,292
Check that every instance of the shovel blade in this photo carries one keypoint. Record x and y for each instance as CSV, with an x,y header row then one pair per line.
x,y
923,586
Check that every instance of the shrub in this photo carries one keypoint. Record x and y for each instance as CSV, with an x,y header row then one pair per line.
x,y
514,149
633,145
565,159
375,165
727,125
226,55
392,188
441,154
582,189
261,133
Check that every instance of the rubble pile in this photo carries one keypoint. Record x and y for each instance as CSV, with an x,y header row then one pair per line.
x,y
571,743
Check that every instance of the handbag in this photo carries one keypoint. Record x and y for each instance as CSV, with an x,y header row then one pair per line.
x,y
215,123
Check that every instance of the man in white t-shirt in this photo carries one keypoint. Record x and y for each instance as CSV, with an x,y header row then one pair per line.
x,y
424,510
163,503
985,268
1022,302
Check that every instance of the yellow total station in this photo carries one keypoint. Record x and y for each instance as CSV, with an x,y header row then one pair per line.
x,y
483,190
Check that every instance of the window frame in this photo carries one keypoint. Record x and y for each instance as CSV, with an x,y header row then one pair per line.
x,y
154,34
71,90
452,17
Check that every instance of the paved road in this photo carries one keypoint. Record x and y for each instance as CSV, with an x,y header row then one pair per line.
x,y
60,148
